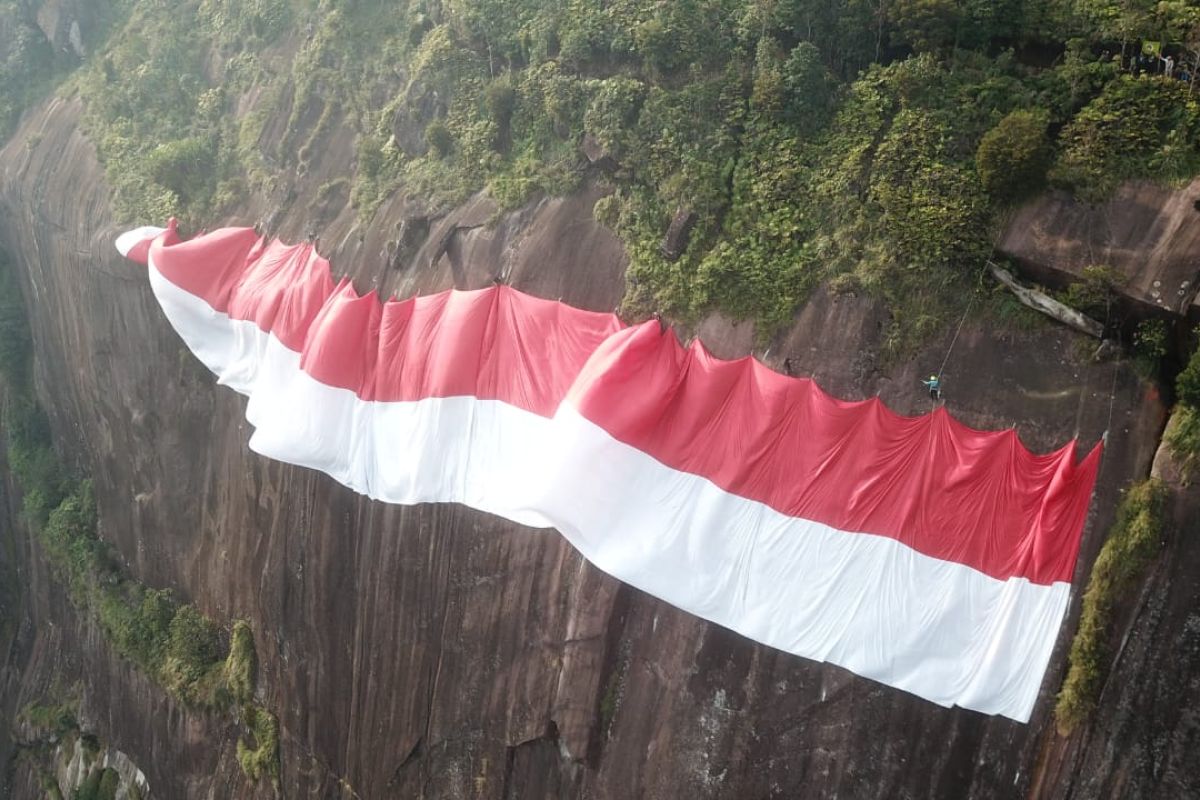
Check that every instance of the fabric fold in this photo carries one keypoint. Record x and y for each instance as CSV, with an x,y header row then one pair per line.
x,y
915,551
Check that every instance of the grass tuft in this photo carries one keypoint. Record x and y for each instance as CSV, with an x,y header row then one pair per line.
x,y
1132,544
259,757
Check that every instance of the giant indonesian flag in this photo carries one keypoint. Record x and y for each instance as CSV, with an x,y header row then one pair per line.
x,y
914,551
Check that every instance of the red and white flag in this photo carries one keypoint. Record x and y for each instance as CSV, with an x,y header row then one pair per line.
x,y
914,551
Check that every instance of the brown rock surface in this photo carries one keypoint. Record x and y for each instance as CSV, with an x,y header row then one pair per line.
x,y
437,652
1150,233
679,232
1142,740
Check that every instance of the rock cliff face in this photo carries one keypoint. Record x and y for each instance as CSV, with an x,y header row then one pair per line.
x,y
1149,233
437,652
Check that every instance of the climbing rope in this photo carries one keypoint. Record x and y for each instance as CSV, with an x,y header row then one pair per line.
x,y
1112,391
961,320
955,339
1112,398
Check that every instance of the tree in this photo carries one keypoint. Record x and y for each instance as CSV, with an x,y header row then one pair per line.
x,y
809,88
1180,23
1133,129
1127,20
1013,156
1187,385
769,89
185,166
849,34
194,643
439,138
926,25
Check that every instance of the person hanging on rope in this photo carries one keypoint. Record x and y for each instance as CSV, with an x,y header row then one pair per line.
x,y
935,387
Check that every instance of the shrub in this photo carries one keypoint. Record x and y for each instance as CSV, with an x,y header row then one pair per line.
x,y
1183,437
934,212
925,24
90,788
100,784
1183,432
32,461
56,720
769,92
26,62
151,628
1136,128
810,89
184,166
500,99
261,759
109,784
656,44
612,112
242,663
1094,293
1187,385
69,537
1013,156
1151,341
1132,543
607,211
439,138
584,40
194,643
239,24
678,35
175,645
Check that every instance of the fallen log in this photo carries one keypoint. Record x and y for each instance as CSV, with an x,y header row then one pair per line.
x,y
1039,301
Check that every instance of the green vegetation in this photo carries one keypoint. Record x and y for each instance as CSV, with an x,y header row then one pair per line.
x,y
871,144
1183,437
30,65
793,130
1096,292
100,784
610,699
1135,128
1187,384
55,727
261,760
27,62
242,664
1132,544
1151,342
15,347
1013,156
172,642
53,720
1183,432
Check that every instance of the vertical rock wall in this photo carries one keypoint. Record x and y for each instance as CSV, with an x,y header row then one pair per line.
x,y
436,652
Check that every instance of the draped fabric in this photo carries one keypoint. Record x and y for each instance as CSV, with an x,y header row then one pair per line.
x,y
914,551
